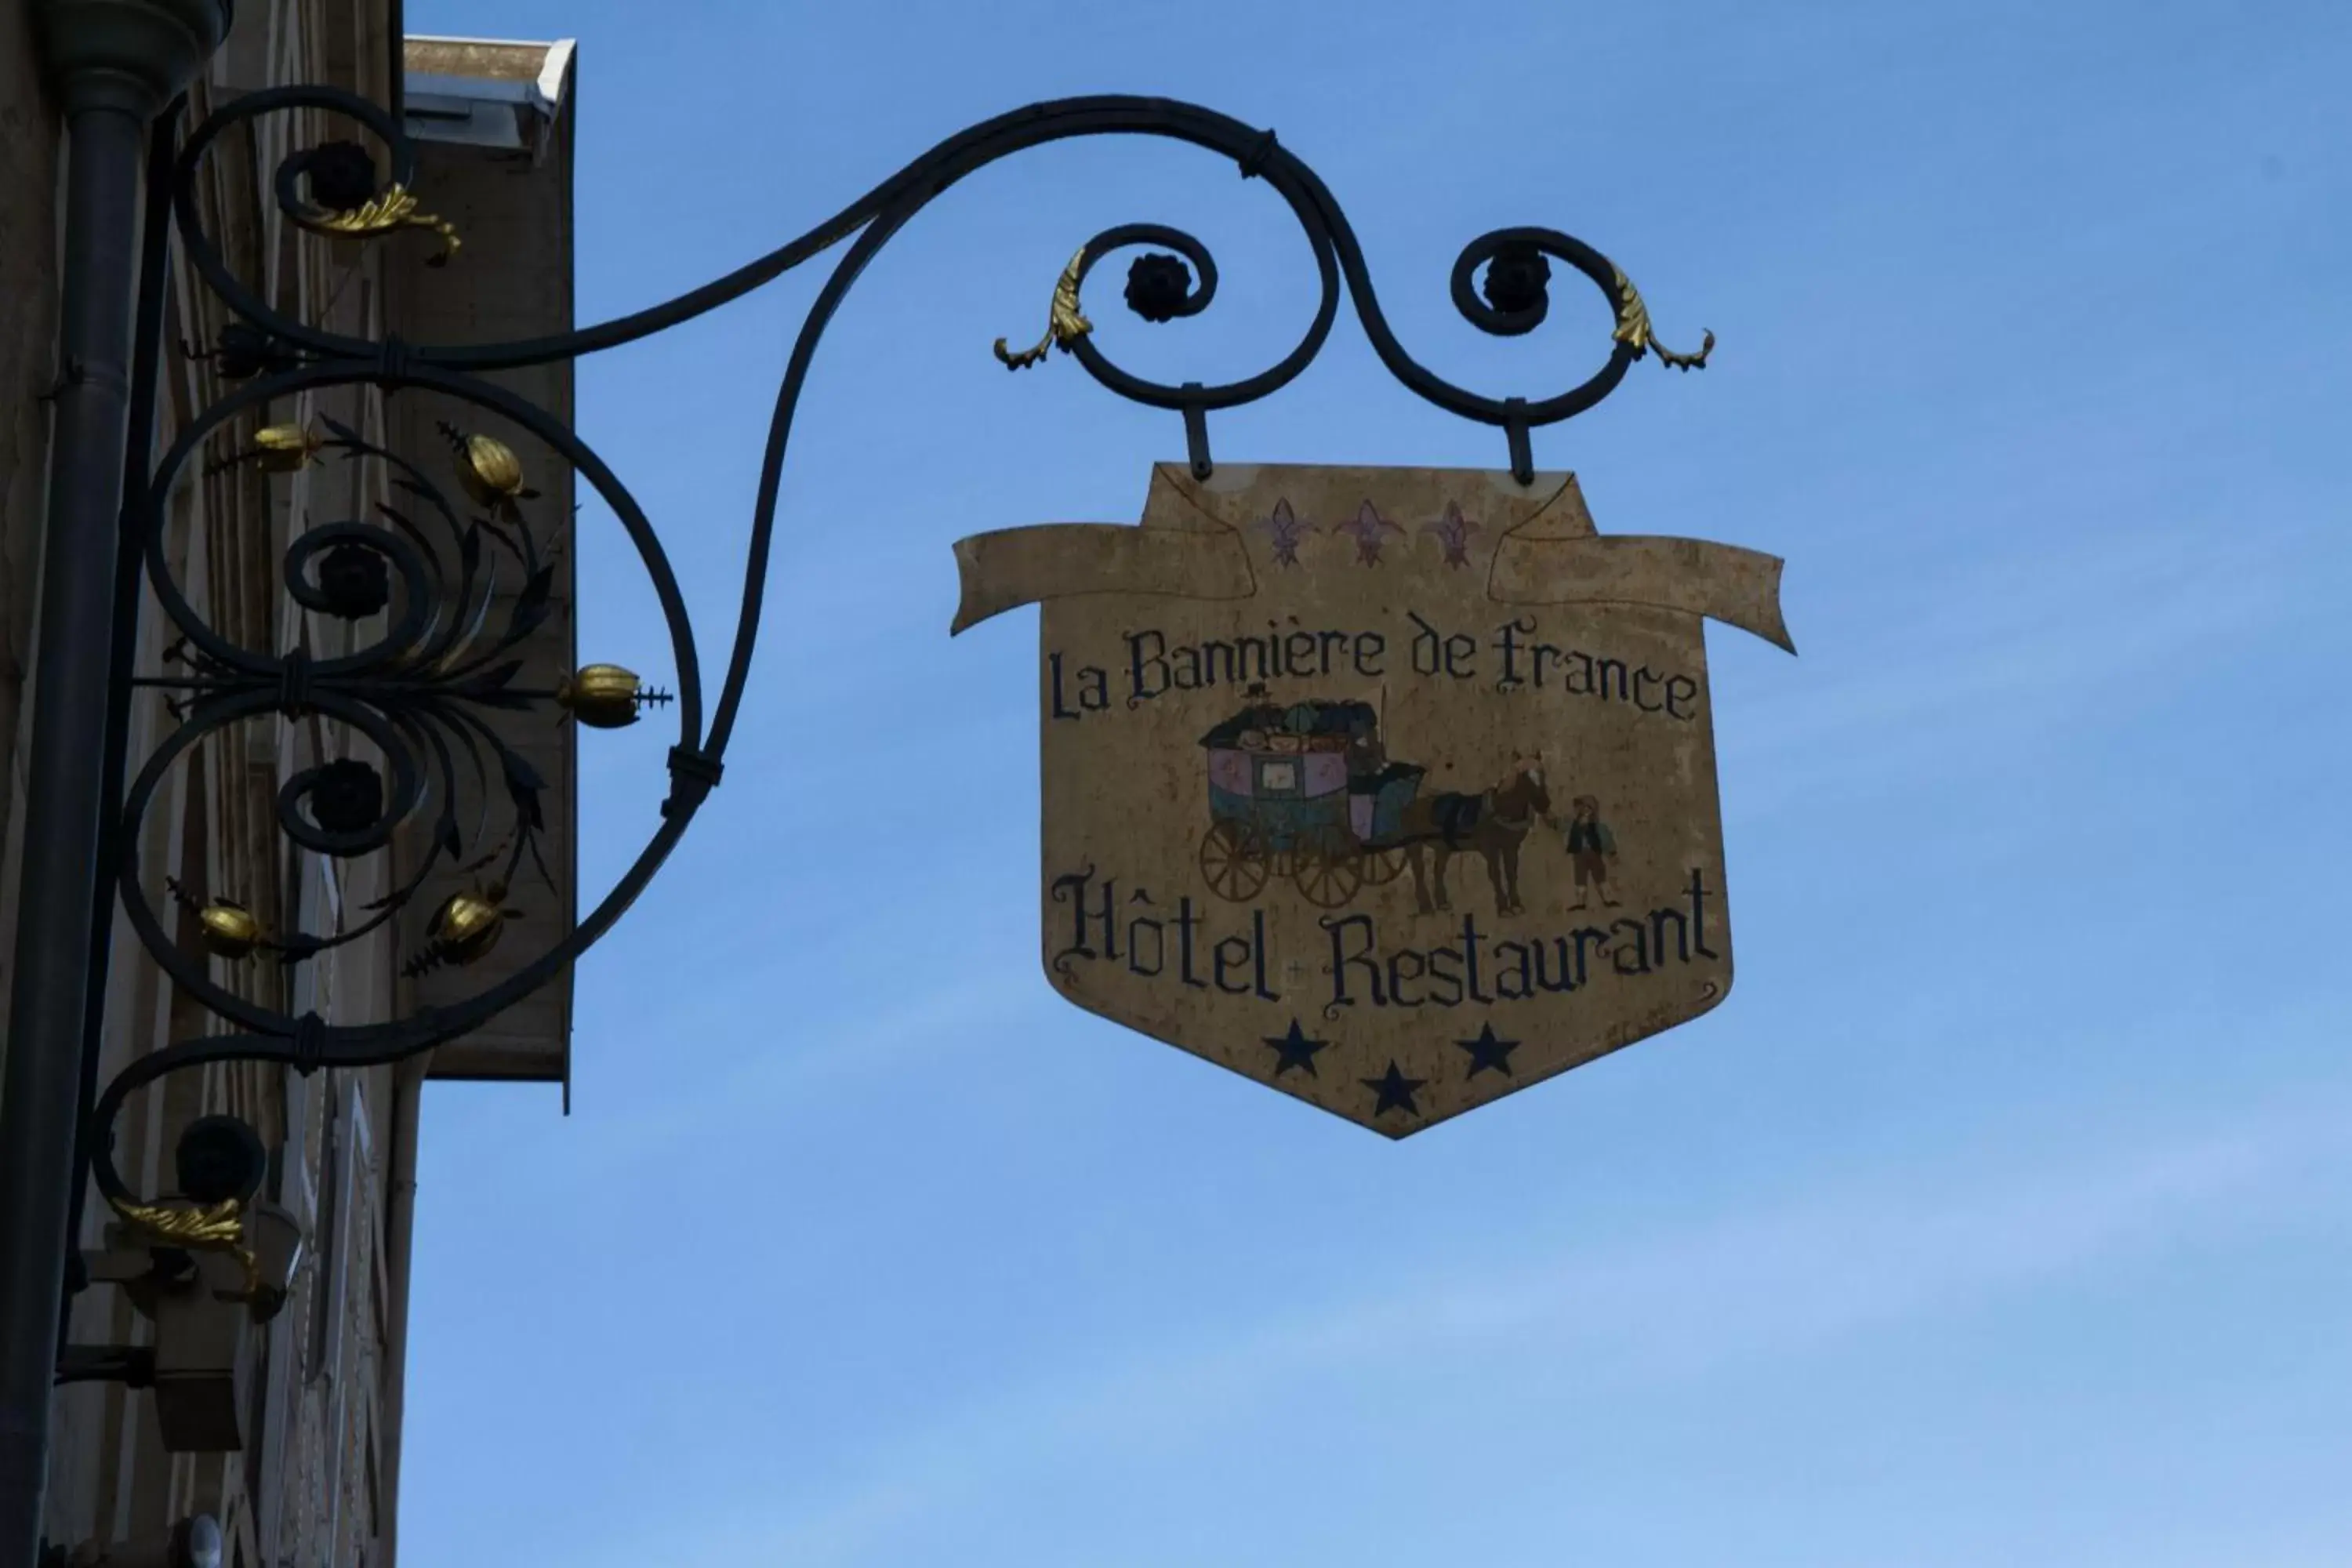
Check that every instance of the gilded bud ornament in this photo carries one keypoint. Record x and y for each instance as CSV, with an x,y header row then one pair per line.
x,y
602,696
466,927
487,468
228,930
283,448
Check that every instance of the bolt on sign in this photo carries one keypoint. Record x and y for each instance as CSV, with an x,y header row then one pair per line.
x,y
1392,788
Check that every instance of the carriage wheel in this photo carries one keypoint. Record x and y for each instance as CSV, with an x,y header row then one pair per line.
x,y
1382,866
1235,867
1330,873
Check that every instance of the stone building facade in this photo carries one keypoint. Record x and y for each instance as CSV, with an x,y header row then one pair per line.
x,y
315,1478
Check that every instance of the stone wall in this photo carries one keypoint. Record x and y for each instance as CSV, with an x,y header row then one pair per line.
x,y
314,1483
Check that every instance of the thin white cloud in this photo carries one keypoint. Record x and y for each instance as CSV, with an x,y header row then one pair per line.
x,y
2016,649
804,1056
1786,1279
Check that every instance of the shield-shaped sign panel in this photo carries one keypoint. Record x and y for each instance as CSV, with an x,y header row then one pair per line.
x,y
1392,788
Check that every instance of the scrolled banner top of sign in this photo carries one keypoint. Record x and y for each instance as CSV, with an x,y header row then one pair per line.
x,y
1278,713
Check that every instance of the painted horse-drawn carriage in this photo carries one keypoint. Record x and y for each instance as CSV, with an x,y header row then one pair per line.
x,y
1304,792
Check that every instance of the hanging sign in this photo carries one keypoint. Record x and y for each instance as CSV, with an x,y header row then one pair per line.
x,y
1392,788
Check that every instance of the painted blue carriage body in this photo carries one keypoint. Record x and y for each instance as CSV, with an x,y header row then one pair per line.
x,y
1276,813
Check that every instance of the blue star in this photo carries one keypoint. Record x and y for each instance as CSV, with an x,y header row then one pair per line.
x,y
1489,1051
1395,1090
1296,1050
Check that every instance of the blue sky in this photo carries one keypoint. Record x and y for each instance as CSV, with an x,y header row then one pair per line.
x,y
2000,1215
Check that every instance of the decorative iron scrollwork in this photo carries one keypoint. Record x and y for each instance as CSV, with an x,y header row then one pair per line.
x,y
411,705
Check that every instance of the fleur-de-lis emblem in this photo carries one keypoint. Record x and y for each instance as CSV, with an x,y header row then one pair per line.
x,y
1286,532
1367,529
1453,532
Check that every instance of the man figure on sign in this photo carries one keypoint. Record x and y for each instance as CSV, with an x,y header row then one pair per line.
x,y
1590,847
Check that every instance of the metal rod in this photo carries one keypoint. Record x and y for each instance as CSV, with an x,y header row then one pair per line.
x,y
133,1366
64,779
1196,436
395,87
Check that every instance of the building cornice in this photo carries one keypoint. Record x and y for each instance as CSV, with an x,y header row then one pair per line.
x,y
483,92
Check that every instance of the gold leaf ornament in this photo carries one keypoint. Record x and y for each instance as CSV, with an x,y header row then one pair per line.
x,y
215,1227
1065,322
391,209
202,1227
1633,329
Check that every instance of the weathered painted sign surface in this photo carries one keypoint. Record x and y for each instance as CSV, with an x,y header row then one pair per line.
x,y
1392,788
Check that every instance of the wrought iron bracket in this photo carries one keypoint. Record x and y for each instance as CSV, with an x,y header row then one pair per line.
x,y
418,694
133,1366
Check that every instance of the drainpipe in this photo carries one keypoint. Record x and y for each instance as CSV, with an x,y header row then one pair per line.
x,y
112,65
146,374
400,1232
